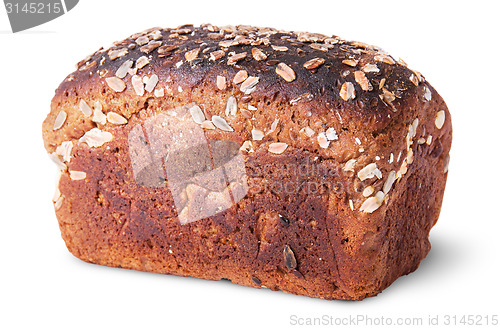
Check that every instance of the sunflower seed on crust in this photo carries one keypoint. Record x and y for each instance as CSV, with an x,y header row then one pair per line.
x,y
141,62
151,83
64,150
308,131
192,54
257,134
249,85
247,146
370,68
391,177
123,69
314,63
220,123
440,118
289,258
197,114
240,76
323,141
369,171
77,175
85,108
381,83
319,46
385,59
138,85
99,116
277,148
218,54
152,45
274,125
115,53
387,97
166,50
95,137
286,72
116,84
362,80
59,121
331,134
159,92
413,78
310,37
228,43
347,91
235,58
231,106
427,93
57,193
156,34
58,203
279,48
349,165
207,124
350,62
116,118
221,82
142,40
409,156
368,191
258,54
370,205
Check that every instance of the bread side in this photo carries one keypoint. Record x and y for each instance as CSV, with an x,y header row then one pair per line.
x,y
373,133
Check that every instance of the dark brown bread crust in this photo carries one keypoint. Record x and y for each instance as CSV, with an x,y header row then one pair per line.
x,y
320,244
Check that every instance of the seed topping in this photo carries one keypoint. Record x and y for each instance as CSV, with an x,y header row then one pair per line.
x,y
197,114
347,91
258,54
59,121
231,106
116,84
221,82
249,85
116,118
286,72
440,117
314,63
138,85
220,123
277,148
289,258
235,58
96,137
85,108
362,80
240,76
77,175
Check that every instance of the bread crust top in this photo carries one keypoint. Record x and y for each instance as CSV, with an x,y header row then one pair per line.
x,y
260,87
359,81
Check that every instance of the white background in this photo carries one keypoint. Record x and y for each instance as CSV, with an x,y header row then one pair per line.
x,y
454,44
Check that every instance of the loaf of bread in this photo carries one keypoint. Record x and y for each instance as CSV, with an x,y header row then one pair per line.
x,y
287,160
